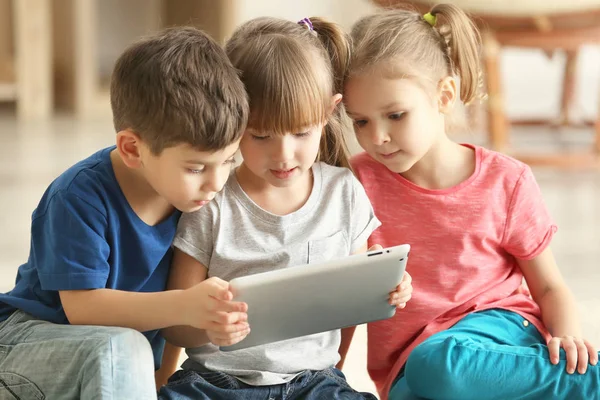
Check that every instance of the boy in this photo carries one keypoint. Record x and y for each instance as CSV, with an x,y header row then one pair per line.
x,y
101,234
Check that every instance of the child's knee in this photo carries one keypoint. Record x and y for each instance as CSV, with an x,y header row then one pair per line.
x,y
123,349
117,362
432,370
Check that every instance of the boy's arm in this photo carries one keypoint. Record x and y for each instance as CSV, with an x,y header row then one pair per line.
x,y
230,326
185,272
204,305
109,307
70,239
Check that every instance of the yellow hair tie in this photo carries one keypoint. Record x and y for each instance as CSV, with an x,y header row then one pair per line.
x,y
431,19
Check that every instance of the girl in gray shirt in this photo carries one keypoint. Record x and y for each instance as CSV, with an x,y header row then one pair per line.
x,y
292,201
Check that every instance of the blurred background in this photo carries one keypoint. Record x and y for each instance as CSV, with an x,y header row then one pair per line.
x,y
542,72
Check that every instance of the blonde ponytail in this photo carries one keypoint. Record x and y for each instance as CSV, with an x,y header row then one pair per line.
x,y
463,43
333,149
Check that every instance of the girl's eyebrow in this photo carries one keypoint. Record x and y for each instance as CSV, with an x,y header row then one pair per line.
x,y
394,104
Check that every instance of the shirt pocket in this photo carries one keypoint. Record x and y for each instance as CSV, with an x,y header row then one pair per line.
x,y
328,248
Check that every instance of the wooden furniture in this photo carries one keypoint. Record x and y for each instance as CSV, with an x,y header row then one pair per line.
x,y
546,25
50,49
81,86
25,57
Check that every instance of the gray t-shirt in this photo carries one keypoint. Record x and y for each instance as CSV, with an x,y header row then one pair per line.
x,y
232,236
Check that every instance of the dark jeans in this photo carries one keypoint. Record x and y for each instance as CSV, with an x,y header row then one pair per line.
x,y
310,385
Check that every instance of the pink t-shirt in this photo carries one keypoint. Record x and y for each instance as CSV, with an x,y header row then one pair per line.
x,y
465,241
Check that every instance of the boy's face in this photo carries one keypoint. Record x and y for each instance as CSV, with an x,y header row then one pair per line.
x,y
186,177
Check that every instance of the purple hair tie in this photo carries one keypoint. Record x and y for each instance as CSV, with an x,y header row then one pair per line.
x,y
306,21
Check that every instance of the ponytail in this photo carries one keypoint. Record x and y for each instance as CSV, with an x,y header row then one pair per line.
x,y
463,42
432,46
333,149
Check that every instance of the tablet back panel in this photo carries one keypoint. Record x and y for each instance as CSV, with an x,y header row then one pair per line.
x,y
313,298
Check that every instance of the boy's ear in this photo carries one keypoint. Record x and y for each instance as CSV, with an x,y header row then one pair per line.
x,y
447,92
129,146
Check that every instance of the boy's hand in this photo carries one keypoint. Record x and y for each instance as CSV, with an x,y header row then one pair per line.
x,y
403,292
208,306
579,353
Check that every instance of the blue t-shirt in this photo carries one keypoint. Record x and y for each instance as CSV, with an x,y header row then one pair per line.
x,y
85,235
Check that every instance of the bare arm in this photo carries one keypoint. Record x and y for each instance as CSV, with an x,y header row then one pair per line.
x,y
139,311
559,312
348,333
205,305
399,297
548,289
170,363
185,272
226,320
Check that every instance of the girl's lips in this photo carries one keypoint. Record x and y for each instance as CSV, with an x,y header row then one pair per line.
x,y
390,155
282,174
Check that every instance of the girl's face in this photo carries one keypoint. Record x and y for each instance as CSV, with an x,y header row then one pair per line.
x,y
395,120
281,160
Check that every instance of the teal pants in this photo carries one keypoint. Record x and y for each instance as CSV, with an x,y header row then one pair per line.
x,y
493,354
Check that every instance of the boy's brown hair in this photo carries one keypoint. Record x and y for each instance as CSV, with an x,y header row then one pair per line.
x,y
178,86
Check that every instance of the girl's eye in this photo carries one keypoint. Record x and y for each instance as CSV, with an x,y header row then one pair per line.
x,y
230,161
195,171
360,122
302,134
259,137
397,116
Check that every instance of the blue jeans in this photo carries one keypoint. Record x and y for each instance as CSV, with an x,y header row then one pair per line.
x,y
493,354
328,384
42,360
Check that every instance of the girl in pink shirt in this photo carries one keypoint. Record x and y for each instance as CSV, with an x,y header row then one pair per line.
x,y
476,222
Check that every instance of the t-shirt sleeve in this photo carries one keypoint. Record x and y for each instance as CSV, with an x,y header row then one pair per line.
x,y
529,227
69,245
363,221
195,233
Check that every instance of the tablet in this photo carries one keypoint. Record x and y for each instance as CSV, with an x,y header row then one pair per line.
x,y
313,298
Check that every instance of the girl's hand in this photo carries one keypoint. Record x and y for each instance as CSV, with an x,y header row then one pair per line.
x,y
403,292
579,353
230,334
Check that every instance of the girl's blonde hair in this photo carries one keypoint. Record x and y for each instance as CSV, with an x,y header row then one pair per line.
x,y
408,45
291,71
